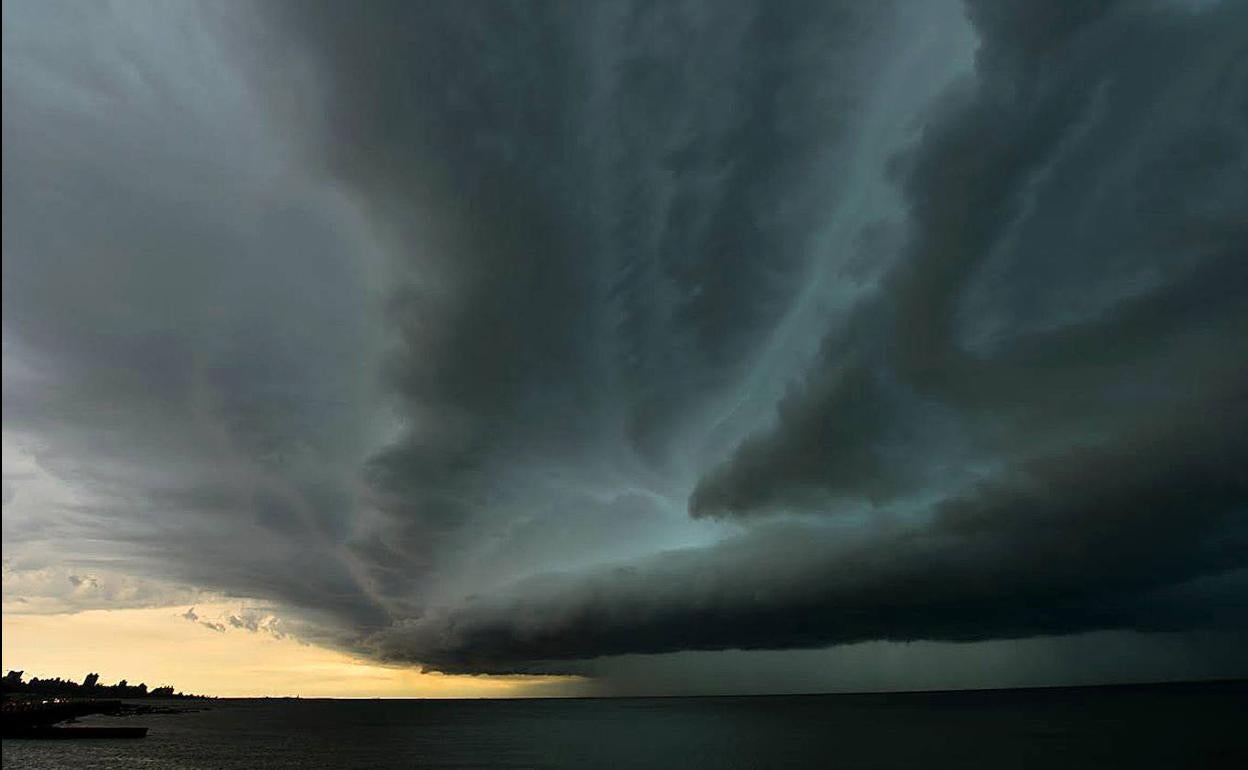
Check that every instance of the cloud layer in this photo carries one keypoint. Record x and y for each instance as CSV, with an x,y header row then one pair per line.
x,y
493,338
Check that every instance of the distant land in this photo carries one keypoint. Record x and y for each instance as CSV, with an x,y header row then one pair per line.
x,y
13,684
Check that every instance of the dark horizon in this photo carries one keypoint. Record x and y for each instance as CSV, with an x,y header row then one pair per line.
x,y
88,688
1231,683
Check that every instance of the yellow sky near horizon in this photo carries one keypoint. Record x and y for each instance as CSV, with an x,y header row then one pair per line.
x,y
159,646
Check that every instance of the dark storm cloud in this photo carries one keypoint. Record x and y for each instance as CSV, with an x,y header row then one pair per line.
x,y
498,337
1073,266
1149,535
184,337
581,199
1063,324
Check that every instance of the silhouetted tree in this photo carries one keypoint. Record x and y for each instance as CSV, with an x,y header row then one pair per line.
x,y
90,687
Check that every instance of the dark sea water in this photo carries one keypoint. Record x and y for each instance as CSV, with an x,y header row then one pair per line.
x,y
1197,726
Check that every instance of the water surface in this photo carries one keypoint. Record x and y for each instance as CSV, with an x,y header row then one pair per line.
x,y
1136,727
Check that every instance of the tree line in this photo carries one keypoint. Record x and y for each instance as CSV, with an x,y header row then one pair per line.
x,y
90,687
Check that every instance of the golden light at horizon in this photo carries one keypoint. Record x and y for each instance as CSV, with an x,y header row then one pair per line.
x,y
158,646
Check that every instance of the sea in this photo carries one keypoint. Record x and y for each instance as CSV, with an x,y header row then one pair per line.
x,y
1142,726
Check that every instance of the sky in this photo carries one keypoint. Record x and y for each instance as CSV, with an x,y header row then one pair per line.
x,y
505,348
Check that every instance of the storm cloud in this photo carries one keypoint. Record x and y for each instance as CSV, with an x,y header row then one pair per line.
x,y
501,337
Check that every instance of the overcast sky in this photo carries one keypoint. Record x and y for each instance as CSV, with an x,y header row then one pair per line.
x,y
663,343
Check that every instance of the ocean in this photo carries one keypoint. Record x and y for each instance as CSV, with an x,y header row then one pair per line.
x,y
1170,726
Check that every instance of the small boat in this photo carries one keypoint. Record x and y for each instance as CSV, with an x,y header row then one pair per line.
x,y
49,732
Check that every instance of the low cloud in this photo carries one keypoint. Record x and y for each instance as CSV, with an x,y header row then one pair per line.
x,y
85,582
256,622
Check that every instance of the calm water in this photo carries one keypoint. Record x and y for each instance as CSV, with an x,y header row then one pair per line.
x,y
1168,727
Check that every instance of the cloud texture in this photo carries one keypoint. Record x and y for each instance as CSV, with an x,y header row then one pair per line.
x,y
500,337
